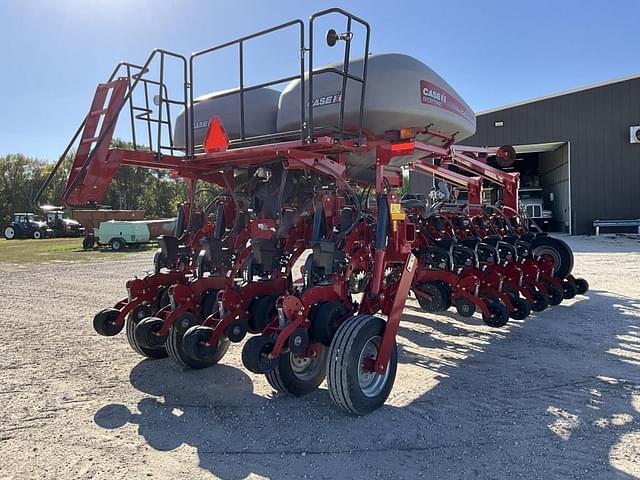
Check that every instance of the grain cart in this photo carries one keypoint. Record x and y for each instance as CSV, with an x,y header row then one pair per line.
x,y
290,161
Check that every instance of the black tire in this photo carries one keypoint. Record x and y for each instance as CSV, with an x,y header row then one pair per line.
x,y
136,316
568,290
262,312
582,286
158,261
521,308
255,354
147,337
440,300
189,349
37,235
357,336
9,233
559,250
540,300
296,375
555,294
88,243
465,308
499,313
325,318
103,322
117,244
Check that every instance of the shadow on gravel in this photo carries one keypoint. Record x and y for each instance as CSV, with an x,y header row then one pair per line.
x,y
554,396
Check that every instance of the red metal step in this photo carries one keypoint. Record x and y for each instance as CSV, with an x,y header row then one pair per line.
x,y
89,176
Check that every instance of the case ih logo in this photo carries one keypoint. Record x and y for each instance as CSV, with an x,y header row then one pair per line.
x,y
327,100
434,95
201,124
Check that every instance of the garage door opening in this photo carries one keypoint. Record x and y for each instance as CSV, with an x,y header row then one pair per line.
x,y
544,184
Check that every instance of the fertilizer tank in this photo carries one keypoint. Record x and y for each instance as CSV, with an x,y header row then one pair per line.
x,y
401,92
260,113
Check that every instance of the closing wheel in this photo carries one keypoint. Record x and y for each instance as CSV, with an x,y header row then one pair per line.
x,y
9,233
263,311
465,307
555,294
136,316
556,249
521,308
540,300
353,386
103,322
499,313
147,334
298,375
255,354
439,293
568,290
196,352
582,286
325,319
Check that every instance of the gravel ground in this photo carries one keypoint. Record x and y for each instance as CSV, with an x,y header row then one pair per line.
x,y
554,396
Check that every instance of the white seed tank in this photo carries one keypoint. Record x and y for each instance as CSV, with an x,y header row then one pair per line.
x,y
400,92
260,114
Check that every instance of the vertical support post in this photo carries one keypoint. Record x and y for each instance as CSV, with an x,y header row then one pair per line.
x,y
160,100
241,52
345,77
393,321
131,113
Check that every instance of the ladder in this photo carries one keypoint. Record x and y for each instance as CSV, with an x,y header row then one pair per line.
x,y
85,183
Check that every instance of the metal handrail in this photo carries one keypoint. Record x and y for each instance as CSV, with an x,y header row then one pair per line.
x,y
242,88
344,73
138,78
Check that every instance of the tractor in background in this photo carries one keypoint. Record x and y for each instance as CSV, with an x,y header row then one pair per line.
x,y
25,225
62,227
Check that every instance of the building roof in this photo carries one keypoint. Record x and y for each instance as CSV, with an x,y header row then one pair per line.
x,y
560,94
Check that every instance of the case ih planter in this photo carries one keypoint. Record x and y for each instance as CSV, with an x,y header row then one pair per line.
x,y
313,170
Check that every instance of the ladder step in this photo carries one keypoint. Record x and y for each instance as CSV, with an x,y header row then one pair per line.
x,y
108,85
90,140
96,113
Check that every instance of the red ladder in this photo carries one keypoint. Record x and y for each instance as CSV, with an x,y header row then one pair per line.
x,y
90,173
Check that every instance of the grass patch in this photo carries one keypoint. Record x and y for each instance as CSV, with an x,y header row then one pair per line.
x,y
53,250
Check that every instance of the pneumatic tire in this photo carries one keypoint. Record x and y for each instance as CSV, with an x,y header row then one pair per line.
x,y
136,316
296,375
558,250
351,387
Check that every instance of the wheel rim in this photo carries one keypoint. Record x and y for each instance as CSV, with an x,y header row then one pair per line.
x,y
9,233
306,368
36,235
371,383
553,253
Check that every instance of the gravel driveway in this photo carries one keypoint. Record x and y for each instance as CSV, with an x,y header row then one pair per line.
x,y
554,396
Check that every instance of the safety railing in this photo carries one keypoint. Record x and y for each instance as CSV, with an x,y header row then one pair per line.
x,y
344,73
243,88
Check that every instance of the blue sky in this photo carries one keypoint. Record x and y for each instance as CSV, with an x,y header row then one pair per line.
x,y
492,52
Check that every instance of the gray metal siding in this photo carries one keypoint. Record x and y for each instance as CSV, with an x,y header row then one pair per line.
x,y
605,167
554,175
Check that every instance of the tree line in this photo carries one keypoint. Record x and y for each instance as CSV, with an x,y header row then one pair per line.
x,y
154,191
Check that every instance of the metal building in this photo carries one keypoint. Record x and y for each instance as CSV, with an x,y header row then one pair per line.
x,y
579,147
